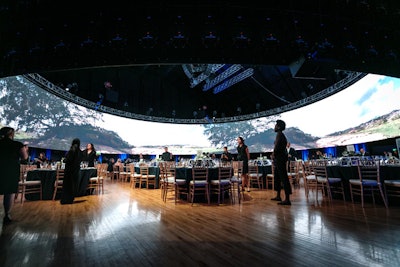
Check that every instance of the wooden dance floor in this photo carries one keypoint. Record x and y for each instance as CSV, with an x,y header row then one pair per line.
x,y
134,227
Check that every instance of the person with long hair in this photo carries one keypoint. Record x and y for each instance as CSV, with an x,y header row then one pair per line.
x,y
280,158
71,172
244,155
89,154
11,152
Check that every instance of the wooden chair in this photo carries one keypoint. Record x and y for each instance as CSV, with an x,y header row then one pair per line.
x,y
255,177
169,180
321,181
332,185
293,173
162,179
236,180
27,187
223,184
199,184
115,172
146,177
97,182
368,182
58,183
310,181
391,189
181,188
124,173
269,178
135,177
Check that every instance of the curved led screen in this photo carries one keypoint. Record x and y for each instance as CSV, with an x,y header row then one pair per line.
x,y
369,110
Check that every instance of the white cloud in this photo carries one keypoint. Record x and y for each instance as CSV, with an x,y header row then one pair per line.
x,y
341,111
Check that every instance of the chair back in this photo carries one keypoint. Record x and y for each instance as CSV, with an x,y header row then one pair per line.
x,y
253,169
199,174
59,176
237,168
23,169
224,173
144,170
368,170
318,168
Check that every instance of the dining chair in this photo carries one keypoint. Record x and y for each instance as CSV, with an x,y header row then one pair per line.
x,y
199,184
236,180
124,173
181,188
310,181
332,185
269,177
97,182
254,176
146,177
368,182
169,180
223,184
293,173
58,183
115,173
27,187
135,177
162,177
391,189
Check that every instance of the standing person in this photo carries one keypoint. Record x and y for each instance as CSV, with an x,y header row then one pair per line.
x,y
226,156
166,156
71,173
291,152
89,154
280,158
11,152
244,155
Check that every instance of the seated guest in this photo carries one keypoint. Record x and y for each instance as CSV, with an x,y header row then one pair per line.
x,y
363,153
167,156
119,164
141,159
226,155
319,155
41,160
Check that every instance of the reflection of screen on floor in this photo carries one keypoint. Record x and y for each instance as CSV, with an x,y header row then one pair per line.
x,y
350,148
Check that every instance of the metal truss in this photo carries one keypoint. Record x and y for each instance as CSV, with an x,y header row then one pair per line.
x,y
40,81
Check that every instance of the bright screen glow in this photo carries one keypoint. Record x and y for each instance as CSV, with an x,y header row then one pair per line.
x,y
364,112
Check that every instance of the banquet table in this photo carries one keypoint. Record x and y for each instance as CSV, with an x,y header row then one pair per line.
x,y
186,173
386,172
48,177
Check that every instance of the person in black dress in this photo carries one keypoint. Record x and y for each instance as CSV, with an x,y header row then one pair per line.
x,y
11,152
89,155
71,173
280,158
244,155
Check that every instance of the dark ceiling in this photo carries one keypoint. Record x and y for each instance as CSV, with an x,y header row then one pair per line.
x,y
160,57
